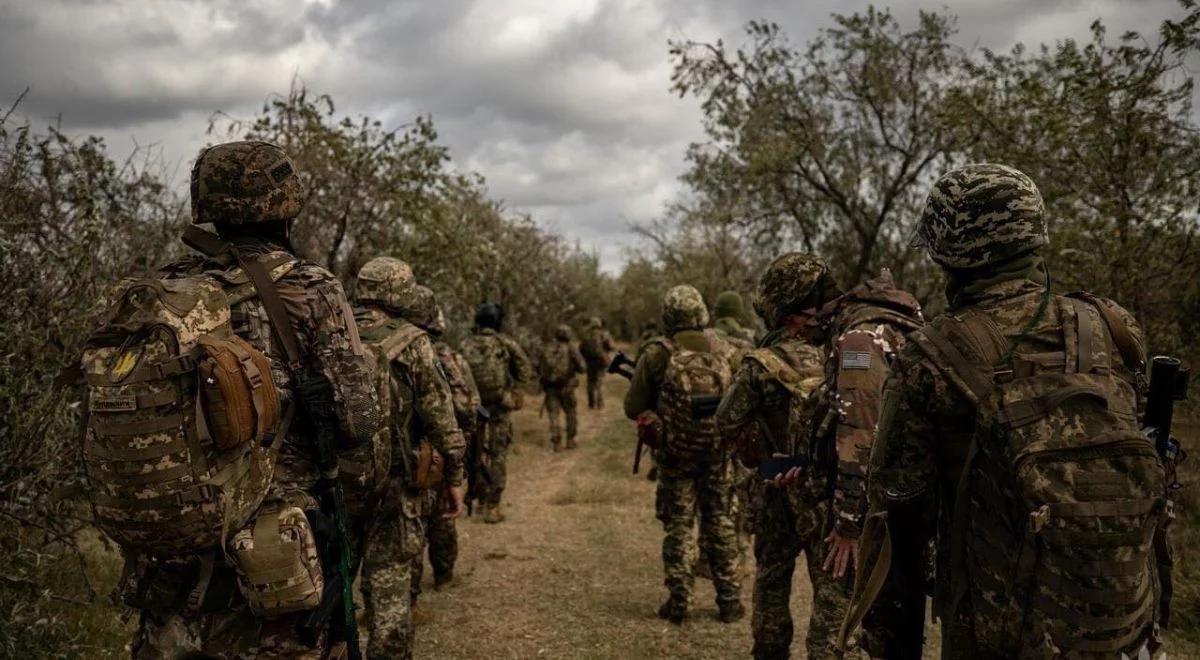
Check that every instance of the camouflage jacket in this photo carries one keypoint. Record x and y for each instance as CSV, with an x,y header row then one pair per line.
x,y
866,333
756,416
513,369
421,400
329,343
462,385
926,425
729,328
595,347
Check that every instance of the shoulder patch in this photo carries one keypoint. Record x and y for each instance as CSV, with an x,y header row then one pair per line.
x,y
856,360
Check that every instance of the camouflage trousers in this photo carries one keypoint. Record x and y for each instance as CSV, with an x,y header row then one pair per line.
x,y
744,481
499,438
235,633
560,402
782,531
595,383
393,541
441,540
683,492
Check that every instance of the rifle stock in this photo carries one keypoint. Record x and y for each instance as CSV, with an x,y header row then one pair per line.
x,y
622,365
1168,384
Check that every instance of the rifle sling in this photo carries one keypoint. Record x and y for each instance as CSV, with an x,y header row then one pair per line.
x,y
281,322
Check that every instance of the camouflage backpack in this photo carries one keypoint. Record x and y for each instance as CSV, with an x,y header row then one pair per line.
x,y
182,421
692,373
488,358
782,364
592,346
555,366
1060,495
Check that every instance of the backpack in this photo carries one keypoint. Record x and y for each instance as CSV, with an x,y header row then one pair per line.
x,y
488,358
1060,495
183,416
592,347
556,367
778,368
692,373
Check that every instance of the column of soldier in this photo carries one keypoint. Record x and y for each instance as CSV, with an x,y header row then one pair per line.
x,y
255,442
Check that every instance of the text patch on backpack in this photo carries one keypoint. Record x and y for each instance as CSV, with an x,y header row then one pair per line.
x,y
113,403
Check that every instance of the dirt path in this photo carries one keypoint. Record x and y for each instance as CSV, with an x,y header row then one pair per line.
x,y
575,571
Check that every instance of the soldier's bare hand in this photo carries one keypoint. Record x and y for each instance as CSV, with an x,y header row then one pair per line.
x,y
842,554
455,505
788,478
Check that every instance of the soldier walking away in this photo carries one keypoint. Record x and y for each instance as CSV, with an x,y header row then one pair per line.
x,y
766,414
558,368
728,311
695,472
1008,434
501,370
193,385
441,532
596,347
426,447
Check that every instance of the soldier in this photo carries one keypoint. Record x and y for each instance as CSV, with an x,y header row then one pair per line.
x,y
441,533
694,469
1007,433
424,437
251,193
767,413
729,312
596,347
500,369
559,364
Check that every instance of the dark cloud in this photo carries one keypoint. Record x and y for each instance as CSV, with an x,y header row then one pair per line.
x,y
563,106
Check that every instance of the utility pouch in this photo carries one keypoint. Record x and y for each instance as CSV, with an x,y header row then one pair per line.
x,y
279,567
429,467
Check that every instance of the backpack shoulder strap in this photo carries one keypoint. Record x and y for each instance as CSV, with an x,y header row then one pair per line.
x,y
399,339
1131,353
281,323
937,342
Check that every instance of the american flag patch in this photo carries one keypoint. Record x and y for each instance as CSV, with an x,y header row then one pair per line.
x,y
856,360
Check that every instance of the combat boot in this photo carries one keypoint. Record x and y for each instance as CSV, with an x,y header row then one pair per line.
x,y
673,610
731,611
556,445
571,444
492,514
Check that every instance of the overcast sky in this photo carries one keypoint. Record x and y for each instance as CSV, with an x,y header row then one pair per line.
x,y
563,105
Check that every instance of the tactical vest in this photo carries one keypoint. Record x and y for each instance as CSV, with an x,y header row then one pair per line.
x,y
556,366
1060,495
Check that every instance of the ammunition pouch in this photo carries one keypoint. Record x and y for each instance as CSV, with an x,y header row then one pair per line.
x,y
428,469
278,563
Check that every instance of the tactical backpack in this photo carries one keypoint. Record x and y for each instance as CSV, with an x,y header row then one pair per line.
x,y
556,366
183,416
488,358
692,373
592,347
386,340
777,368
1060,495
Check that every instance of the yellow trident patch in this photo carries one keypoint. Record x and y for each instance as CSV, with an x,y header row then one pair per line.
x,y
125,363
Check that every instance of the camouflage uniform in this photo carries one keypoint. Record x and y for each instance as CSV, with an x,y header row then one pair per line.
x,y
500,369
441,533
250,191
766,412
599,338
422,409
686,489
561,356
987,218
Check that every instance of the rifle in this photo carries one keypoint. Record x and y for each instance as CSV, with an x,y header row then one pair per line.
x,y
705,405
1168,384
622,365
315,397
478,474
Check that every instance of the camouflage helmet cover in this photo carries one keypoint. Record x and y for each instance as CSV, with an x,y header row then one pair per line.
x,y
563,333
794,282
982,214
385,281
422,310
684,308
729,304
595,322
245,183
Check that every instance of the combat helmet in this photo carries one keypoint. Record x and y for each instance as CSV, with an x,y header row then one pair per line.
x,y
794,282
385,281
489,315
982,214
595,322
563,333
729,304
422,310
243,183
684,308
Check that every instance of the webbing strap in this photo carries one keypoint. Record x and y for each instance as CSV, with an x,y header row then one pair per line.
x,y
1085,325
124,453
1111,647
162,370
140,401
1088,621
974,383
165,475
1020,413
138,427
1122,337
172,500
281,323
1104,508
